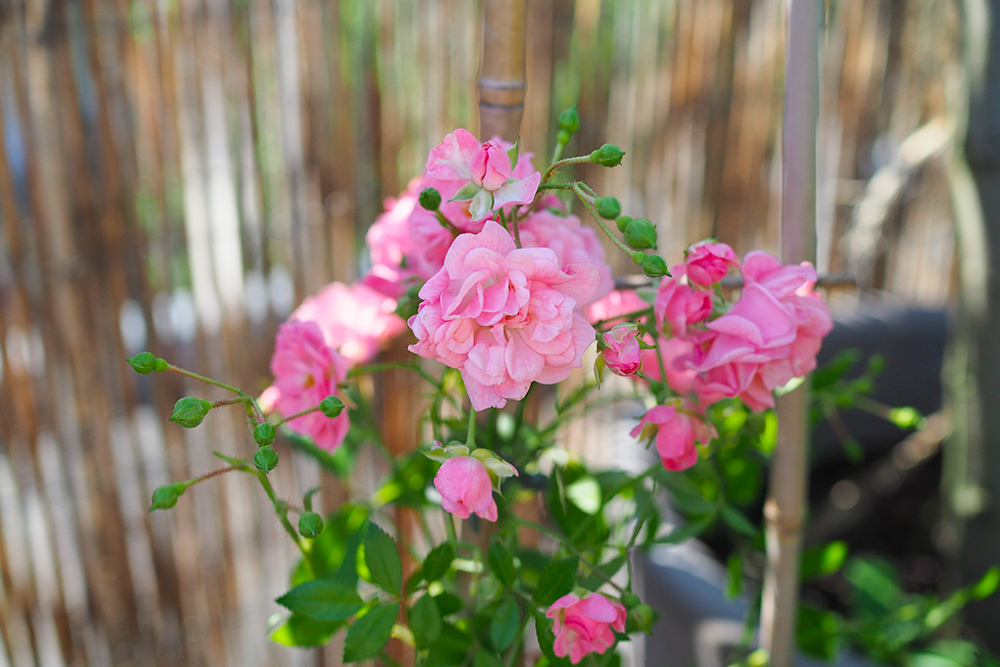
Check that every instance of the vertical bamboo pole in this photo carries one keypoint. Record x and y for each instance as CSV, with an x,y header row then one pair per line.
x,y
502,75
785,507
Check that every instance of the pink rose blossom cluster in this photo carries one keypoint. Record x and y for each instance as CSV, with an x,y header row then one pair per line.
x,y
504,316
585,625
678,430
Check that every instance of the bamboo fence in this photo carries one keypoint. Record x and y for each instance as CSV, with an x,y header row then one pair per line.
x,y
176,176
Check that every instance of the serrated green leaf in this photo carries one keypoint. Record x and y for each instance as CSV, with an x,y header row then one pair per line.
x,y
370,633
502,563
322,600
383,560
557,580
486,659
437,562
304,632
738,522
425,621
448,603
505,624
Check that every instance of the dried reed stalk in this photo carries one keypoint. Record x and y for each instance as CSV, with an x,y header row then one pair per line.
x,y
502,76
785,506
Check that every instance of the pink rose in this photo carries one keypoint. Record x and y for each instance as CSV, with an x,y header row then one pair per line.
x,y
677,434
504,316
306,370
585,625
571,241
679,305
677,355
622,353
707,262
465,487
614,305
460,158
354,319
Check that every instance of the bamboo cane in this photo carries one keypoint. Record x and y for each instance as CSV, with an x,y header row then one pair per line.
x,y
502,75
785,507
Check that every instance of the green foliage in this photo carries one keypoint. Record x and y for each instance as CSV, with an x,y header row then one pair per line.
x,y
505,624
425,621
501,562
322,600
557,580
383,560
370,633
438,561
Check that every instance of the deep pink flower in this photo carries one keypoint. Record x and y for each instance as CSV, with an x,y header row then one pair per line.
x,y
354,319
622,353
678,431
306,370
465,487
708,262
505,317
461,158
677,355
585,625
571,241
679,305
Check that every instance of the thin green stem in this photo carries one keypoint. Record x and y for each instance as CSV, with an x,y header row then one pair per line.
x,y
556,186
446,223
231,401
470,440
210,475
281,509
565,542
202,378
302,413
559,164
626,316
585,198
557,152
449,525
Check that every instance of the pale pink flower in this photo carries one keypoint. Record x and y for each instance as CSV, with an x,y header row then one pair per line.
x,y
677,432
306,370
354,319
504,316
708,262
679,305
622,353
585,625
616,304
571,241
465,487
493,184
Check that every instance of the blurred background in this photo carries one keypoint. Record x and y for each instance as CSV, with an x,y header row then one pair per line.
x,y
177,175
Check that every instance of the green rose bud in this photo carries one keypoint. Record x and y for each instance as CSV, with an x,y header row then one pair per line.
x,y
640,619
265,459
264,434
190,411
639,258
430,199
331,406
145,363
654,266
607,155
622,222
563,137
310,524
640,234
569,120
166,496
608,207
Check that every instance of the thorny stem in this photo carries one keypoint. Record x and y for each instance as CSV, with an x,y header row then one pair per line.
x,y
556,166
210,475
585,198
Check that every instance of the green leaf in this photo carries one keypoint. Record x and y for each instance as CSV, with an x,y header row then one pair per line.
x,y
304,632
738,522
448,603
823,561
383,560
505,624
451,648
486,659
987,585
734,576
610,568
370,633
818,633
425,621
322,600
546,640
438,561
876,591
557,580
468,191
585,493
688,496
685,532
502,563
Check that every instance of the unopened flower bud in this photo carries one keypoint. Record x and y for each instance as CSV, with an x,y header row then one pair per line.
x,y
640,618
608,207
166,496
331,406
639,258
563,137
430,199
569,120
190,411
145,363
310,524
655,266
264,434
265,459
641,234
608,155
622,222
